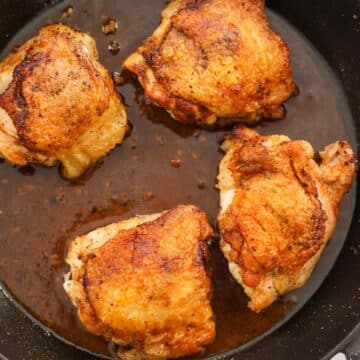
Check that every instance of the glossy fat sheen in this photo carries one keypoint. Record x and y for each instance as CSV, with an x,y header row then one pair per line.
x,y
278,209
142,283
215,58
57,102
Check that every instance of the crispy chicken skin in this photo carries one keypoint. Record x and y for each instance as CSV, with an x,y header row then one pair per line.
x,y
57,102
278,209
142,283
215,58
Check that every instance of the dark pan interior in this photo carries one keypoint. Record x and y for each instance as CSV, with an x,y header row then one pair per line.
x,y
42,212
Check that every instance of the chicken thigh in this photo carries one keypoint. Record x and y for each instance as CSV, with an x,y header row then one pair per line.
x,y
57,102
143,284
215,58
278,209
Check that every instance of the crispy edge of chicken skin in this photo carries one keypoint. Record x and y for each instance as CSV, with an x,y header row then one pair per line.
x,y
184,324
242,100
57,102
266,276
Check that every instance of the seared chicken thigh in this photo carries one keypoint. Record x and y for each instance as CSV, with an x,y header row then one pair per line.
x,y
57,102
278,209
215,58
142,283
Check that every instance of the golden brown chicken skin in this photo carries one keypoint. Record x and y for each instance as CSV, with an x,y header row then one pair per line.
x,y
143,284
215,58
278,209
57,102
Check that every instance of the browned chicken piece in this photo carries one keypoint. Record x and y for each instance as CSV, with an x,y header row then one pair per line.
x,y
143,283
215,58
278,209
57,102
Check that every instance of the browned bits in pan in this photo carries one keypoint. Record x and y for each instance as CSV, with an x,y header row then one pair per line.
x,y
133,143
109,26
149,196
201,184
67,12
59,194
114,47
118,79
175,163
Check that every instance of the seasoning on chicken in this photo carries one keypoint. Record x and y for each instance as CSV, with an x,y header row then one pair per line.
x,y
142,283
278,209
57,102
215,58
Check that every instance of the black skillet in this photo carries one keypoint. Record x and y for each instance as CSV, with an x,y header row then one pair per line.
x,y
41,212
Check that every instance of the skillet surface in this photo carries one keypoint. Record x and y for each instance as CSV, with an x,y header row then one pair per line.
x,y
42,213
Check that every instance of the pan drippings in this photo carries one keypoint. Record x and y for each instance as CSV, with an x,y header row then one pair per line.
x,y
161,164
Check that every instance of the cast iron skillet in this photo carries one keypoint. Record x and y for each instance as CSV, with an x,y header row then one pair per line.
x,y
333,312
